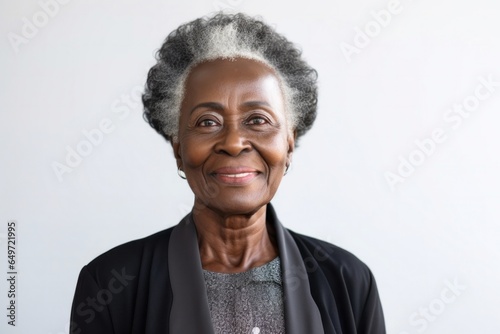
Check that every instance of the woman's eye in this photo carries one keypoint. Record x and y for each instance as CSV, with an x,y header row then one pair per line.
x,y
207,123
257,121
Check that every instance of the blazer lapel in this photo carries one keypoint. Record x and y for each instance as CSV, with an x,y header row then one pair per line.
x,y
190,313
301,312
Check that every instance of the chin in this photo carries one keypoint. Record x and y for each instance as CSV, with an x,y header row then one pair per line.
x,y
237,205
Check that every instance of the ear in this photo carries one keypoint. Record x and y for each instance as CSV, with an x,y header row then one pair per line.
x,y
176,146
291,146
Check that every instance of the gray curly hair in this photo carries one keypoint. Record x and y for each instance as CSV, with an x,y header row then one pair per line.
x,y
227,36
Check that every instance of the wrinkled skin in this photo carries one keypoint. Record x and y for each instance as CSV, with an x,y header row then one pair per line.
x,y
234,145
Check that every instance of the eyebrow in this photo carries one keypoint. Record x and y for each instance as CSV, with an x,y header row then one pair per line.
x,y
254,104
211,105
220,107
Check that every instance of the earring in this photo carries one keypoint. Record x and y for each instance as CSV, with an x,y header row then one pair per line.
x,y
287,168
181,173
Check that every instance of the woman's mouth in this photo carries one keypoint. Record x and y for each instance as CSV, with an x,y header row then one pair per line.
x,y
236,176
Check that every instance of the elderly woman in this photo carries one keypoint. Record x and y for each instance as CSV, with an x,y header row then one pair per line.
x,y
233,97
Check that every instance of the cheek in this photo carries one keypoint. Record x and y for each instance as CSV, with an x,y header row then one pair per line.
x,y
274,152
194,153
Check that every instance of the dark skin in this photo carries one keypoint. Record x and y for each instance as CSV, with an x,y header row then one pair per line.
x,y
234,144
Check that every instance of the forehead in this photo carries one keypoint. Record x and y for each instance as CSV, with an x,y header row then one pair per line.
x,y
225,78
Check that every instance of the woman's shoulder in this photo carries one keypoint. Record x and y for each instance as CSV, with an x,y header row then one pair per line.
x,y
130,255
119,282
329,256
341,284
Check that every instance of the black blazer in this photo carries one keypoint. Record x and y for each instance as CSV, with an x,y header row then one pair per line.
x,y
155,285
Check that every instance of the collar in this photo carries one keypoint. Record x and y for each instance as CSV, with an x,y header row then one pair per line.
x,y
266,273
188,286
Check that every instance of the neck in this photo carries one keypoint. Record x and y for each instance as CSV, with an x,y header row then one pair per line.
x,y
233,243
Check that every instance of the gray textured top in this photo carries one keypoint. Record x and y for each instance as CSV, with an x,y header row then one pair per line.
x,y
250,302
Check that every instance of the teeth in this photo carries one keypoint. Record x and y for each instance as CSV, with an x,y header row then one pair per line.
x,y
237,175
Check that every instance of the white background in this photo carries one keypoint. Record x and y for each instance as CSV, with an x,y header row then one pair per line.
x,y
440,224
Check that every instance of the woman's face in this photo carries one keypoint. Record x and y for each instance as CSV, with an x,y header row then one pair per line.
x,y
234,142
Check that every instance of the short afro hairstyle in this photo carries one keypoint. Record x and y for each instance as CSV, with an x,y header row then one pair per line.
x,y
227,36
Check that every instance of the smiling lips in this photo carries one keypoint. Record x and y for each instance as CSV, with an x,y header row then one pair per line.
x,y
235,175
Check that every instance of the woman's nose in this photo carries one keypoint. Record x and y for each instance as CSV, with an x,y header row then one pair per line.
x,y
233,141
